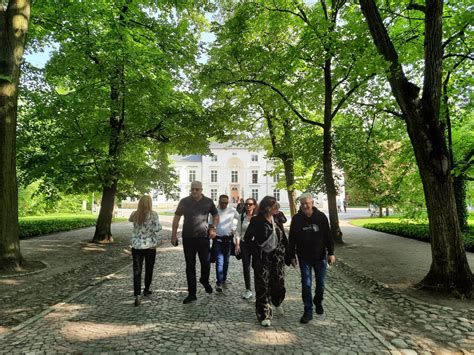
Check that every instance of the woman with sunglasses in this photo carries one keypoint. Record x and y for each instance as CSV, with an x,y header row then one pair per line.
x,y
242,248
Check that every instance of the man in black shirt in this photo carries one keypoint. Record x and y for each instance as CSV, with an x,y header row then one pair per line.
x,y
310,240
196,232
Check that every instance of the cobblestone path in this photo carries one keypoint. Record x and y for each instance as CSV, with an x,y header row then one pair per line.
x,y
102,319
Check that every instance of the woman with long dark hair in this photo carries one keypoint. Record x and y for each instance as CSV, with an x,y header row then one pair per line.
x,y
146,226
268,242
243,248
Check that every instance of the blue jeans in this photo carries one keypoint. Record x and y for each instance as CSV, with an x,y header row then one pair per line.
x,y
306,267
222,253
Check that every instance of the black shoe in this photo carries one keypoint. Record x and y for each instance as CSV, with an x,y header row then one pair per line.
x,y
207,287
319,309
306,318
137,301
147,293
189,299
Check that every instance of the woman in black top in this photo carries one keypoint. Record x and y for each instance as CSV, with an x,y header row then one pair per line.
x,y
268,267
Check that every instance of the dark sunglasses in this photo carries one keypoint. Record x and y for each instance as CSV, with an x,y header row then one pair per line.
x,y
249,204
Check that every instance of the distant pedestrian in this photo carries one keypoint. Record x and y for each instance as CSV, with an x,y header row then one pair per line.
x,y
244,248
344,204
339,205
146,226
222,243
240,206
311,242
268,252
279,215
196,233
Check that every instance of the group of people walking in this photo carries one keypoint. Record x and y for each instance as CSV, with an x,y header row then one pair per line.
x,y
259,239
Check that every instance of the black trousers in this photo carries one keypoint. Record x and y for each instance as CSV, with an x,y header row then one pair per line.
x,y
269,275
191,247
138,255
246,262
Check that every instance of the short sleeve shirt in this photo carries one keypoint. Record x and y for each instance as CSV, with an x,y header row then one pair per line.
x,y
196,214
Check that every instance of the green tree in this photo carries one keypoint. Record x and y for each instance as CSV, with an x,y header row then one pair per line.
x,y
14,21
449,268
117,98
300,54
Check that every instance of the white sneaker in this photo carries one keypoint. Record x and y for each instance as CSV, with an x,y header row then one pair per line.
x,y
266,323
247,294
278,311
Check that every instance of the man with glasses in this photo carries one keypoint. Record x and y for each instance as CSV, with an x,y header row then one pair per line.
x,y
196,232
310,240
221,245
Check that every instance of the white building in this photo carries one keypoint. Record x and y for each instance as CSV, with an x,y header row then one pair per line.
x,y
231,170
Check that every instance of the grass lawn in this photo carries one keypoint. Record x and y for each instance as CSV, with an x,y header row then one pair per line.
x,y
411,229
59,222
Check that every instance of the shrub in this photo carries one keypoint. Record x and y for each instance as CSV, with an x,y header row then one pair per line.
x,y
35,226
419,231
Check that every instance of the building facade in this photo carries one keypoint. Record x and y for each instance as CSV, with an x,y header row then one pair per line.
x,y
231,170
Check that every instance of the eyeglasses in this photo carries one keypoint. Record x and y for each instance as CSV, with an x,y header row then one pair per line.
x,y
249,204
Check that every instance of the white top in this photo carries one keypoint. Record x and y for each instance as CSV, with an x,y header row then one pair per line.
x,y
226,221
145,236
242,228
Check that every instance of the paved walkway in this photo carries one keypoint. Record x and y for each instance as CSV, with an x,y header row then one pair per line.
x,y
363,314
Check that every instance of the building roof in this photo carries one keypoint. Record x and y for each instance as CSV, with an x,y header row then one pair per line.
x,y
191,158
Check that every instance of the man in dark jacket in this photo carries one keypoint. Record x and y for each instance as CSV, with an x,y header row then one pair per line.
x,y
311,242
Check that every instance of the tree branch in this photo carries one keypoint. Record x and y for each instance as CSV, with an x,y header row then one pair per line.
x,y
394,113
348,94
417,7
457,34
276,90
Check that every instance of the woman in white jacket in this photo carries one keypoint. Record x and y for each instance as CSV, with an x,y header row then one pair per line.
x,y
146,226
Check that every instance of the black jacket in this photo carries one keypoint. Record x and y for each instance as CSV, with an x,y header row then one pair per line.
x,y
310,237
259,230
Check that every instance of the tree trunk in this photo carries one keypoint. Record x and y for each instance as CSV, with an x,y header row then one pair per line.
x,y
449,268
13,28
290,182
284,152
459,184
327,156
103,232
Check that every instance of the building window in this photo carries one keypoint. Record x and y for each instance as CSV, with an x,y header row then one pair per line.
x,y
214,194
276,194
276,177
213,157
254,176
234,176
213,175
192,175
255,194
254,157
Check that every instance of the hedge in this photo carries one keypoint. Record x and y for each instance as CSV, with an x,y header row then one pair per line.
x,y
417,231
35,226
